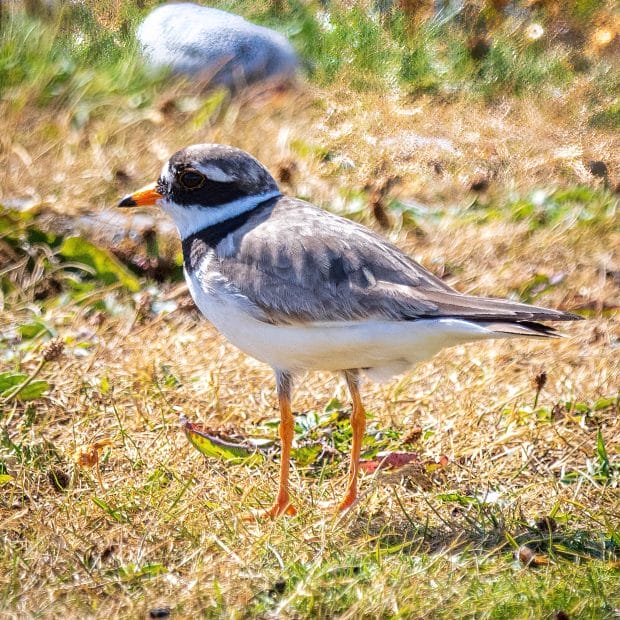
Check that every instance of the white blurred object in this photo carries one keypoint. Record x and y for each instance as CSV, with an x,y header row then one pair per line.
x,y
534,32
220,48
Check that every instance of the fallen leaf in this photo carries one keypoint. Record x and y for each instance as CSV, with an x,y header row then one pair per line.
x,y
107,268
529,557
388,460
442,463
89,456
207,442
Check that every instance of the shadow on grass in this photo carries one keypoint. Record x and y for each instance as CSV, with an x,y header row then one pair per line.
x,y
487,530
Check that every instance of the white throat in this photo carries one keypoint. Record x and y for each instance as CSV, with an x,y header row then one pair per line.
x,y
190,219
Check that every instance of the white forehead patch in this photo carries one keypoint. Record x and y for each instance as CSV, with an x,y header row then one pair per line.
x,y
166,175
214,173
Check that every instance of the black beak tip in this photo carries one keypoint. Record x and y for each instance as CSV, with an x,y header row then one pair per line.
x,y
128,201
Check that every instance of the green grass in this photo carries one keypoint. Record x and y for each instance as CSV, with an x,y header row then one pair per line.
x,y
568,209
74,55
384,584
367,50
70,62
607,118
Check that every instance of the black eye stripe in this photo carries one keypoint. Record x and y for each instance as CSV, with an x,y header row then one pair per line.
x,y
209,194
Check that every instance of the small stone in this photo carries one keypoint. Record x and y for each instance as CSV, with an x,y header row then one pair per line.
x,y
598,168
529,557
534,32
525,555
547,525
215,47
479,184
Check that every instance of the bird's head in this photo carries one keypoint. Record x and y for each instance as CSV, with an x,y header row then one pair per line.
x,y
205,184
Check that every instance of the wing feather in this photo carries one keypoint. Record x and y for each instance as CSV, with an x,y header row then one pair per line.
x,y
299,264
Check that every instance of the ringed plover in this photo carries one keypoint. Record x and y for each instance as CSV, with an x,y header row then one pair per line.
x,y
302,289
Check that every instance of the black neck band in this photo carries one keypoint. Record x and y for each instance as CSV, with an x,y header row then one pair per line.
x,y
217,232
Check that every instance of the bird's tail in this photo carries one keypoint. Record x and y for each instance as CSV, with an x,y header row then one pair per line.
x,y
521,328
500,316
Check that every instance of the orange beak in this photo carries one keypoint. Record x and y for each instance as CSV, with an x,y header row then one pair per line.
x,y
144,197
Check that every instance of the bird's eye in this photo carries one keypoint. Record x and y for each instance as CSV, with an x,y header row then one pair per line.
x,y
192,179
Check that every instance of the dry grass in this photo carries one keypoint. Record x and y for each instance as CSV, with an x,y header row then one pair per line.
x,y
166,527
339,141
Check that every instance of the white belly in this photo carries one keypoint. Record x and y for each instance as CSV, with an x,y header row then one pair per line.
x,y
384,348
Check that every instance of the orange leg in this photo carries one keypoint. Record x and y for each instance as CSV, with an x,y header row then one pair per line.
x,y
282,505
358,426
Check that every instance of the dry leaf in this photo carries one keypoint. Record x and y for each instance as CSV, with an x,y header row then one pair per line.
x,y
89,456
412,436
388,460
529,557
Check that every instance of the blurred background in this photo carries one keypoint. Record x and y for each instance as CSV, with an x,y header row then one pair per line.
x,y
403,110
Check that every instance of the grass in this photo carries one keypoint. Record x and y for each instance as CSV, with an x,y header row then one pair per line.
x,y
476,53
107,510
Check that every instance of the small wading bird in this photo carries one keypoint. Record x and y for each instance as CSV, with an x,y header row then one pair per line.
x,y
302,289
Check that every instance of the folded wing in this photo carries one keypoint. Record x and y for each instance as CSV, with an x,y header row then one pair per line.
x,y
303,265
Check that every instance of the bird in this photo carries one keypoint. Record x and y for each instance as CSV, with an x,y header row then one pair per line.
x,y
302,289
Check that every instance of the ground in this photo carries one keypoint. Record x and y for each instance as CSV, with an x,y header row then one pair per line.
x,y
509,506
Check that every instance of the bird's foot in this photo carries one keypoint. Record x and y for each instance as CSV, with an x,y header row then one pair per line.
x,y
348,502
277,510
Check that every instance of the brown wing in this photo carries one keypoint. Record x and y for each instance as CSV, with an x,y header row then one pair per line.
x,y
301,264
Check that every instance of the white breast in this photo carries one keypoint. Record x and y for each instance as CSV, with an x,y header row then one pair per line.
x,y
384,348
